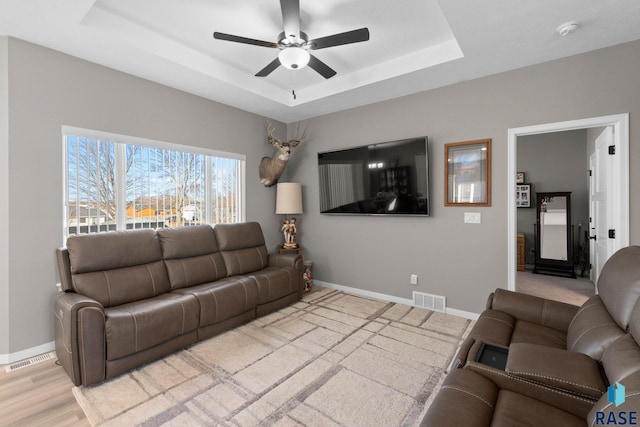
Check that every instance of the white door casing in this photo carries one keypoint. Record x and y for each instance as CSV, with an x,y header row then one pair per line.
x,y
600,165
617,195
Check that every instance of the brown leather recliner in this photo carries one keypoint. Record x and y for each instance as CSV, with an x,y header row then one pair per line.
x,y
134,296
551,363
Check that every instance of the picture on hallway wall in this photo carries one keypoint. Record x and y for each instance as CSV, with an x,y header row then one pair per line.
x,y
523,195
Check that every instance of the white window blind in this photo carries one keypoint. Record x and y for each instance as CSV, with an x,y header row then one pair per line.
x,y
114,185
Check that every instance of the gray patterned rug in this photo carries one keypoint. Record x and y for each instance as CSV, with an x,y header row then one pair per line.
x,y
332,359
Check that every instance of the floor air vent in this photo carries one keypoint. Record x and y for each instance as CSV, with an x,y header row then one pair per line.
x,y
428,301
29,362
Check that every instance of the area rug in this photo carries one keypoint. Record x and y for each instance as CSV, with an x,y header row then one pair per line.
x,y
331,359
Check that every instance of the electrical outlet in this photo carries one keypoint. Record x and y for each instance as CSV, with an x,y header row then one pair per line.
x,y
413,279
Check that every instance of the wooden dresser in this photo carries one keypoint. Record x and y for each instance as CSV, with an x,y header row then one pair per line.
x,y
520,252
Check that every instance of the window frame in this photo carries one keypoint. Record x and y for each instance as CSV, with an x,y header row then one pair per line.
x,y
121,142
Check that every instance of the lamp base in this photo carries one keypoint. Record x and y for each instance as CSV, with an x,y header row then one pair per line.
x,y
289,232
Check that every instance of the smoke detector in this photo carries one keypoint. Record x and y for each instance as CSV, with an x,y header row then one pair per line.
x,y
567,28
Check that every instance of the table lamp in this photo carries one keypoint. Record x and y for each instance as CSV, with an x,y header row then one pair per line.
x,y
289,202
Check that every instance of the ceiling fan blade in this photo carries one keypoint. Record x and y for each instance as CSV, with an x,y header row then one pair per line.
x,y
354,36
291,17
323,69
269,68
245,40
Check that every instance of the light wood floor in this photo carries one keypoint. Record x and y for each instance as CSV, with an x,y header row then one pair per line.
x,y
39,395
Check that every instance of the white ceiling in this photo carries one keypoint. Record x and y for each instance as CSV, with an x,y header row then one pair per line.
x,y
415,45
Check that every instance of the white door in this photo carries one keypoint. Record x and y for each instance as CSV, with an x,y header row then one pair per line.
x,y
601,166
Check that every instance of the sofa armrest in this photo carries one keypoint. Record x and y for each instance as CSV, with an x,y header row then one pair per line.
x,y
284,260
80,337
290,260
554,314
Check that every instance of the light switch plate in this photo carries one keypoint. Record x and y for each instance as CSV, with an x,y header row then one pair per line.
x,y
472,217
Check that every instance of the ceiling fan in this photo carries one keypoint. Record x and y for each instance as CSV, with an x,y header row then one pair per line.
x,y
294,44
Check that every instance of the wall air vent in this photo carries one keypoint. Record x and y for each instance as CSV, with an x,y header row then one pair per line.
x,y
430,302
29,362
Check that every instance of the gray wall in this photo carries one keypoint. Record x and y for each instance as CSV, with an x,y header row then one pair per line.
x,y
463,262
47,90
554,161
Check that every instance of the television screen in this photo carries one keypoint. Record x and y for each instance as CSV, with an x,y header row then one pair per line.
x,y
389,178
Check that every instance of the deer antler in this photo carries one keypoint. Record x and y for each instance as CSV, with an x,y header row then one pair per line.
x,y
271,138
300,136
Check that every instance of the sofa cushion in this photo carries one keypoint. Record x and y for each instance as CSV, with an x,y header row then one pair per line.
x,y
117,267
238,236
469,399
621,358
223,299
244,261
184,242
137,326
113,249
514,409
242,247
275,283
532,333
122,285
619,284
592,329
191,255
541,311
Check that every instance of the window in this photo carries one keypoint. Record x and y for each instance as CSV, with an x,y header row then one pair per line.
x,y
117,183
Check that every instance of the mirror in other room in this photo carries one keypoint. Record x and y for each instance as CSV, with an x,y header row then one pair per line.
x,y
553,235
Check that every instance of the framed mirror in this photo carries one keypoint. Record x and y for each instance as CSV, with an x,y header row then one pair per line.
x,y
553,246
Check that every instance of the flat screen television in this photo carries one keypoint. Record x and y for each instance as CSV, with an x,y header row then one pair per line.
x,y
388,178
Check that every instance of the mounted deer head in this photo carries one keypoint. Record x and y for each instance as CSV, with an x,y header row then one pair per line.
x,y
272,167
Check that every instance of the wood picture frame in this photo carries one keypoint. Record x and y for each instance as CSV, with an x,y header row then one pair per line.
x,y
467,173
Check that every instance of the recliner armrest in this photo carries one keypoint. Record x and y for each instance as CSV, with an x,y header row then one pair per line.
x,y
560,369
553,314
80,337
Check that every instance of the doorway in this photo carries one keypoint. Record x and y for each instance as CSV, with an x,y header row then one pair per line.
x,y
617,180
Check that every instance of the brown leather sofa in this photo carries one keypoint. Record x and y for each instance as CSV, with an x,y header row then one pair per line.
x,y
131,297
533,361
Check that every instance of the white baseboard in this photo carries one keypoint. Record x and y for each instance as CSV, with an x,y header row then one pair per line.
x,y
6,359
390,298
461,313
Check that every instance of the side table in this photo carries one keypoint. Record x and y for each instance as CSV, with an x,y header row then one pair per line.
x,y
297,250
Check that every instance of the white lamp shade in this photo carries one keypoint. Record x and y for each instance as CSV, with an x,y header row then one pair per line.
x,y
288,198
294,57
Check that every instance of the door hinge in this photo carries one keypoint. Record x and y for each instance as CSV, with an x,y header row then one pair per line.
x,y
612,149
612,233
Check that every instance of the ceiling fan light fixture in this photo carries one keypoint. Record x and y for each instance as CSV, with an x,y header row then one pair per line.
x,y
294,57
